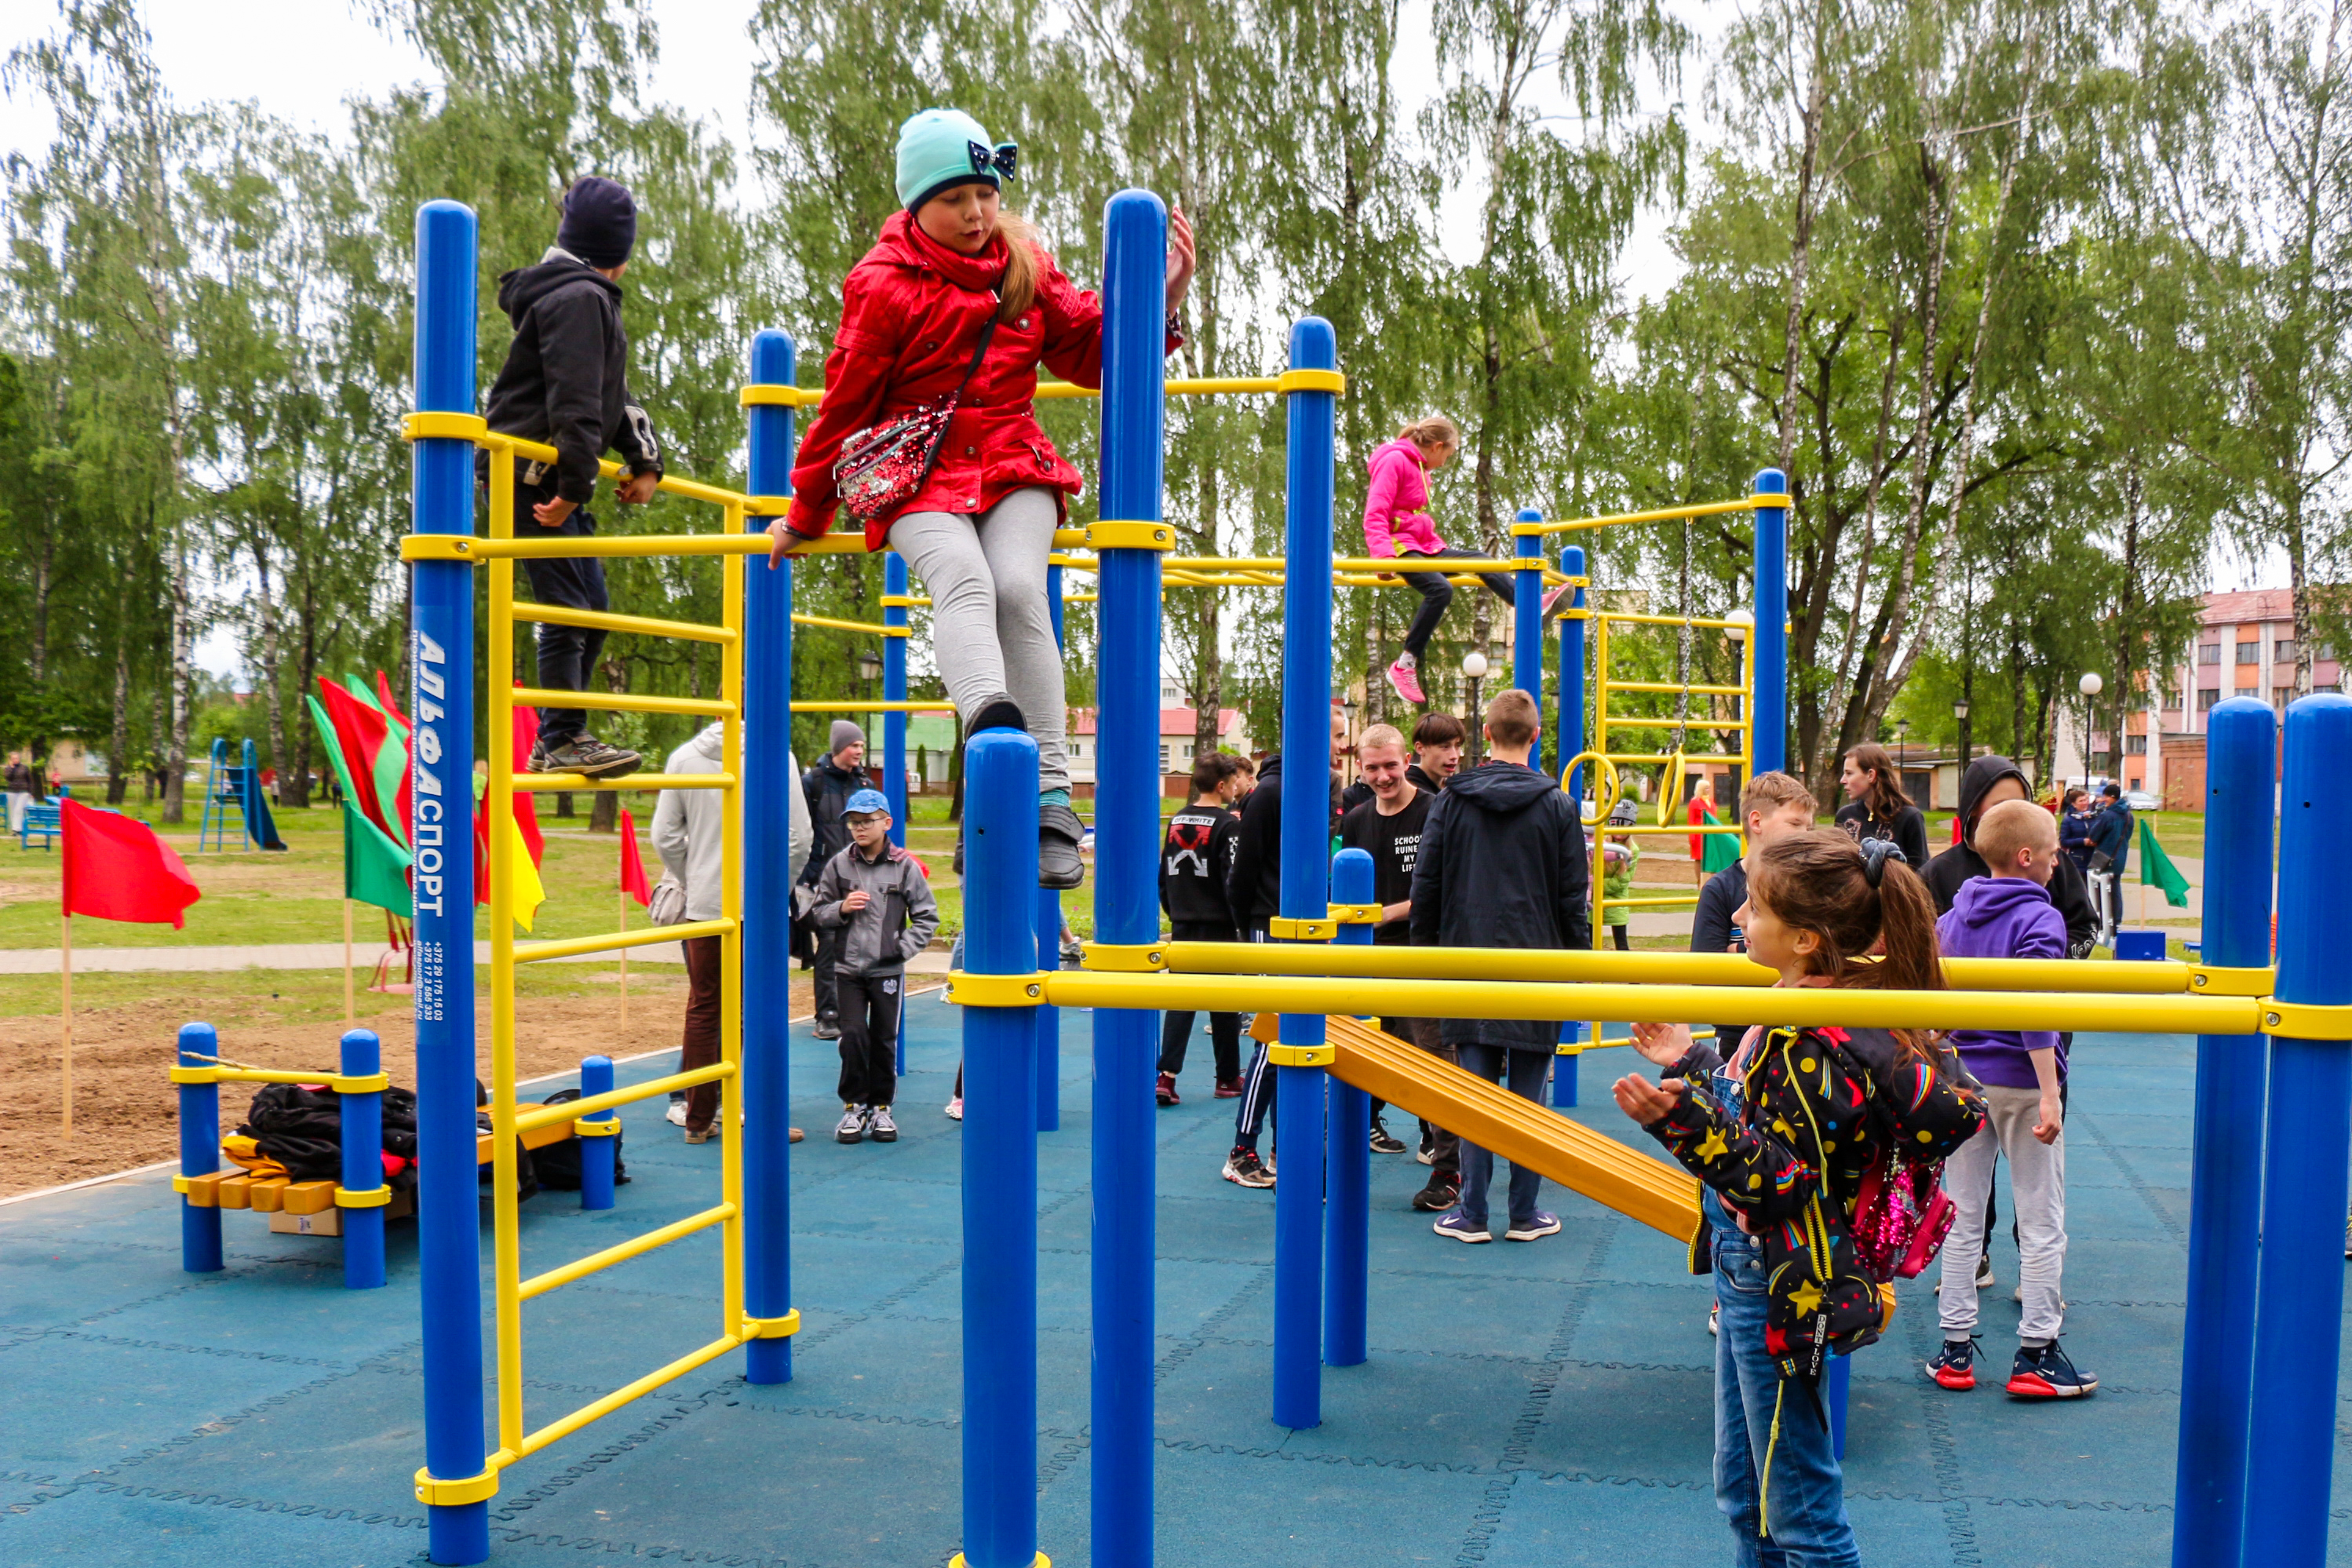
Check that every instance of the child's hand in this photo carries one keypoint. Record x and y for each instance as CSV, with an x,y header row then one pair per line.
x,y
638,489
1182,259
552,514
784,542
1664,1043
1645,1101
857,902
2053,1120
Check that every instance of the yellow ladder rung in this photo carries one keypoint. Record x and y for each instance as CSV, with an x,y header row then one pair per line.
x,y
876,707
621,702
613,941
601,620
635,1247
870,628
528,1117
567,783
556,1431
1670,688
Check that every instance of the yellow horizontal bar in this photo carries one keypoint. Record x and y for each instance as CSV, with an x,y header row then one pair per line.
x,y
635,1247
1197,387
876,706
556,1431
1630,619
633,546
2165,977
691,490
1803,1006
1670,756
621,702
600,620
1670,688
366,1083
613,941
1663,514
870,628
572,784
531,1116
1639,903
1668,721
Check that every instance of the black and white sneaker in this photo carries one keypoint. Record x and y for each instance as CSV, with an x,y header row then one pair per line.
x,y
826,1029
880,1125
1244,1168
851,1129
590,758
1382,1143
2045,1372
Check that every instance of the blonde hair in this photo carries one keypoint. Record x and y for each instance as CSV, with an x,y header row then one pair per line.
x,y
1432,430
1772,790
2013,825
1381,735
1024,254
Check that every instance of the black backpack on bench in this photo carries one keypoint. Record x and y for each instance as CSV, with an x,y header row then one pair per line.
x,y
559,1164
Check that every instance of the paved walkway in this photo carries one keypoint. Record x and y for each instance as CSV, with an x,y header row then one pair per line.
x,y
301,955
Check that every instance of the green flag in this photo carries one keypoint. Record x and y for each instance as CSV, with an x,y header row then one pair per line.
x,y
1717,851
2157,870
375,869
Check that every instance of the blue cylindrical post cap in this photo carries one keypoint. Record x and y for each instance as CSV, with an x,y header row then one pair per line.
x,y
1771,483
1314,345
1133,204
2311,886
1351,878
775,359
202,1038
362,1052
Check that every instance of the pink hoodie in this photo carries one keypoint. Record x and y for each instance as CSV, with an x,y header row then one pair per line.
x,y
1396,510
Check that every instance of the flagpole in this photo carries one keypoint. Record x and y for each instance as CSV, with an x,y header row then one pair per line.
x,y
622,898
66,986
350,1014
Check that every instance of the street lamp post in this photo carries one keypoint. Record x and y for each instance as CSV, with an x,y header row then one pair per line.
x,y
1901,751
2089,686
1960,713
1473,670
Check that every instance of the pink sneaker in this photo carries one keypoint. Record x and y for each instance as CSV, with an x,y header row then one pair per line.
x,y
1406,684
1558,599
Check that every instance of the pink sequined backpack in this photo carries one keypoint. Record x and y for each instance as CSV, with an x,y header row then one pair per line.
x,y
1901,1213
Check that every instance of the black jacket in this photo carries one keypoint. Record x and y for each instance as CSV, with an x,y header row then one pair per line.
x,y
828,788
1713,930
1907,832
2111,830
1503,864
1961,863
1195,858
1254,882
565,381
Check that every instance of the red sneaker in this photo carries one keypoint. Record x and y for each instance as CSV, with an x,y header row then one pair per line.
x,y
1229,1088
1955,1366
1167,1090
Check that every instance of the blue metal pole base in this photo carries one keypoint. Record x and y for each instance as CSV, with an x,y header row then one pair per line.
x,y
1835,1389
1563,1080
598,1158
1299,1247
200,1150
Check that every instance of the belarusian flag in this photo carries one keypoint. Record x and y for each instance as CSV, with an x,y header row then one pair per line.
x,y
2157,870
375,864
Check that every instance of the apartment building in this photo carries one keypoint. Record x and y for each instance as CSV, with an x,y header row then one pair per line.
x,y
2244,648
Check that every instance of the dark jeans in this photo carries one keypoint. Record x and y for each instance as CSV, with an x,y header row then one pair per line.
x,y
1224,1028
701,1047
827,982
1525,1071
567,655
1436,593
869,1037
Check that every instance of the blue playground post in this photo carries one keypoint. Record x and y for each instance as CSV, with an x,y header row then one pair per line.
x,y
2225,1171
1527,626
1306,872
597,1135
1348,1165
1049,939
200,1150
441,829
1837,1384
1126,864
362,1133
1571,744
1000,1159
764,1086
1768,707
894,736
2299,1302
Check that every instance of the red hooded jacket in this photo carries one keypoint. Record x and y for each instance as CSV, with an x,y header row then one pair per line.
x,y
911,314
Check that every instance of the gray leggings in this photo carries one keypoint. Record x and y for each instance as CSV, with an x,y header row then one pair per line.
x,y
992,630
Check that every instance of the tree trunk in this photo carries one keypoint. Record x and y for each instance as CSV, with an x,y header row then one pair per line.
x,y
605,816
176,753
1801,243
272,697
117,774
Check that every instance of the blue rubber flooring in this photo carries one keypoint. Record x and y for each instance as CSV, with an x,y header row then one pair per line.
x,y
1545,1404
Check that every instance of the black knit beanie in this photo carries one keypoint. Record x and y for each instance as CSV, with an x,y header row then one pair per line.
x,y
600,221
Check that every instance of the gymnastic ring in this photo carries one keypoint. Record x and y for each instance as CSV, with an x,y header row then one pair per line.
x,y
1615,787
1672,788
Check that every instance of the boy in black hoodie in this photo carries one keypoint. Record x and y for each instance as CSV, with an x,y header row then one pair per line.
x,y
1988,781
1503,864
565,383
1193,859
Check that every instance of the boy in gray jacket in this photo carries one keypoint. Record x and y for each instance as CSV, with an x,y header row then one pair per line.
x,y
877,896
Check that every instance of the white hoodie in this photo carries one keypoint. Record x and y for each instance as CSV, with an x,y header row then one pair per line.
x,y
690,833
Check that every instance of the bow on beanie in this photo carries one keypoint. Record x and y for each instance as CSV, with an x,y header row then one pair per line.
x,y
940,148
600,221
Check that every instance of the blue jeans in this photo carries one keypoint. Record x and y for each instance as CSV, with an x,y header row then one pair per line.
x,y
1804,1502
1525,1070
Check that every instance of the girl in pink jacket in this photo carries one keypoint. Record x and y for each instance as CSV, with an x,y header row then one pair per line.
x,y
1396,526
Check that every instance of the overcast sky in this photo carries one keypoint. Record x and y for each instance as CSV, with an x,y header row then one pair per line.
x,y
301,60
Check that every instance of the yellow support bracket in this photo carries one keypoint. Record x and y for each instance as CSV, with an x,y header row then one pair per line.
x,y
1284,1055
776,506
1287,928
1041,1561
1310,381
451,1494
438,547
902,602
457,426
1131,536
2213,980
366,1083
770,1328
1128,957
2306,1020
586,1129
1355,914
368,1198
768,394
996,990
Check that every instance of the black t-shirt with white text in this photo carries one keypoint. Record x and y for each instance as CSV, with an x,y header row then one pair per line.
x,y
1394,845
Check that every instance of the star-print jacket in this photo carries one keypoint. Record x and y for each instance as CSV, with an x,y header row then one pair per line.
x,y
1821,1108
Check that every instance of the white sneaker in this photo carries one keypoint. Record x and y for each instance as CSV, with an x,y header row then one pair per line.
x,y
879,1126
851,1129
955,1108
676,1114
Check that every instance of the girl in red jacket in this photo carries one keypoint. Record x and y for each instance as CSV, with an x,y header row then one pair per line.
x,y
1396,526
956,306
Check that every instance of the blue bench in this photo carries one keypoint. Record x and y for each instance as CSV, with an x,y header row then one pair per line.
x,y
45,817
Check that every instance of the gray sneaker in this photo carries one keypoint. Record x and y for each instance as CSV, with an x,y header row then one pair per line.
x,y
590,758
880,1125
851,1129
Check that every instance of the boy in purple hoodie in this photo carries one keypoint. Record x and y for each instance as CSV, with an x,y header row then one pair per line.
x,y
2007,913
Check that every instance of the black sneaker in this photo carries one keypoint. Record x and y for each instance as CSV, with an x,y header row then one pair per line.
x,y
1244,1168
1955,1366
590,758
826,1029
1382,1143
1440,1195
2046,1373
1059,833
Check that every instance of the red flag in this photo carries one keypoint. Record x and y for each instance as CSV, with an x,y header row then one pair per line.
x,y
633,865
526,805
359,732
117,869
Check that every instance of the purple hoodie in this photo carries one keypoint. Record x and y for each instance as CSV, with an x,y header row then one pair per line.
x,y
2003,917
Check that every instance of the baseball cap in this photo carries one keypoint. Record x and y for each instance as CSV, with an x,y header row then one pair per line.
x,y
867,800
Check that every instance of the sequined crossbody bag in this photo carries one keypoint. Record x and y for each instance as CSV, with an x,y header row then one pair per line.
x,y
883,467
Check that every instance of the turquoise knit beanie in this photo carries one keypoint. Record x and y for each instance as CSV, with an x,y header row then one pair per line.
x,y
942,148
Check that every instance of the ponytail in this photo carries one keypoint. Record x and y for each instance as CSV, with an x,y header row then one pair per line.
x,y
1430,430
1854,898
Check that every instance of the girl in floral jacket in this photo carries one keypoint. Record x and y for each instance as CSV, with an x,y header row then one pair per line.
x,y
915,335
1783,1134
